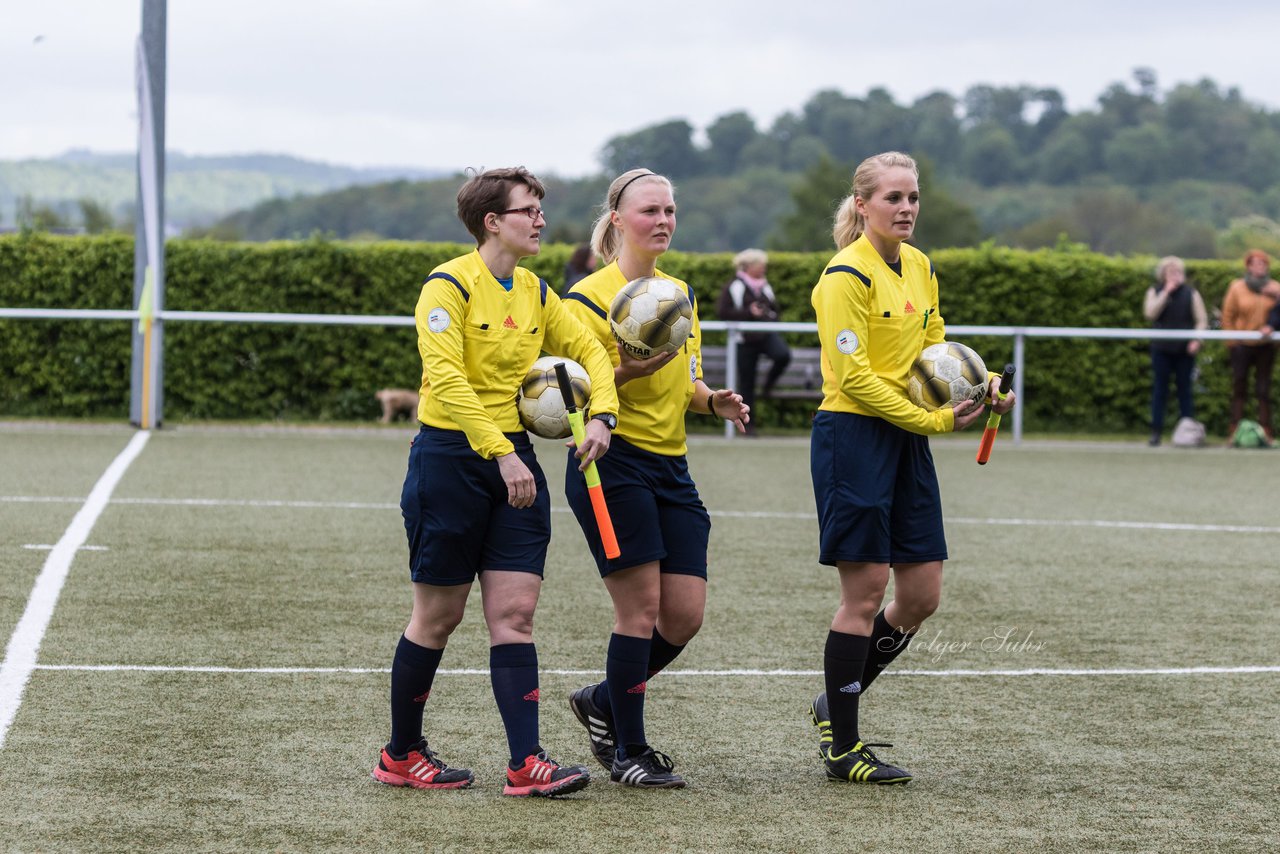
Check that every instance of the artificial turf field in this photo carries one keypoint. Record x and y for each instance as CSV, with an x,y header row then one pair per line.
x,y
1103,674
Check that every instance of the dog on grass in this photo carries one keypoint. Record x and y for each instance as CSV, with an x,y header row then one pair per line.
x,y
397,401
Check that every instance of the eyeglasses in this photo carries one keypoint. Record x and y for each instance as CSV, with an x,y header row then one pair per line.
x,y
531,212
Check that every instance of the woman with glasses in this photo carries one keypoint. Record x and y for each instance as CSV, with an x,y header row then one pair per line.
x,y
475,502
658,583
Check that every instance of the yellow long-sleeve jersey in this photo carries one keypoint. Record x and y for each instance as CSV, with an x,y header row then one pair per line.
x,y
478,340
873,321
651,409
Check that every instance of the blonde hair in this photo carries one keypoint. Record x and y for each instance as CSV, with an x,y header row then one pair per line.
x,y
1165,264
749,257
866,180
605,239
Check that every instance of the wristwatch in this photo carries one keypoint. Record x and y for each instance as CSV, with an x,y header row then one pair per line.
x,y
610,421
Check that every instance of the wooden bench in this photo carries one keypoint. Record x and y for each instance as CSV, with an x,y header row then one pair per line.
x,y
802,380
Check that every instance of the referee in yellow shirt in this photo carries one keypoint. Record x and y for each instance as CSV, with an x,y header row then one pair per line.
x,y
475,501
873,475
659,583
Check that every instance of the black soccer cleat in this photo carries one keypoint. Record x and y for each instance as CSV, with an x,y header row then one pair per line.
x,y
649,770
820,714
599,724
860,765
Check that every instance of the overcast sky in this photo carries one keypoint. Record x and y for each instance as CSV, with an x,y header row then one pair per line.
x,y
544,84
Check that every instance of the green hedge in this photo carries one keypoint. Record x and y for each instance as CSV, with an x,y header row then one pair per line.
x,y
255,371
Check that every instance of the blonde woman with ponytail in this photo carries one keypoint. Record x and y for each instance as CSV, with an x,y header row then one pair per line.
x,y
879,509
659,583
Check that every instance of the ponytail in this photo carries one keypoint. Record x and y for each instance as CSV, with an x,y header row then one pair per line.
x,y
849,225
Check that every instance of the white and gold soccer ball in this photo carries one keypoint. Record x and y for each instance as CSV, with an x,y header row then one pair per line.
x,y
946,374
540,403
651,315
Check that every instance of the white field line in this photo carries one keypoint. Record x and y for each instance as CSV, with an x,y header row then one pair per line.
x,y
732,672
20,655
727,514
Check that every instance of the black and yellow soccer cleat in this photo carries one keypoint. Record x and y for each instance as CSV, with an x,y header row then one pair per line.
x,y
860,765
820,714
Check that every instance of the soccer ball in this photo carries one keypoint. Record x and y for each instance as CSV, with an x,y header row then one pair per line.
x,y
946,374
651,315
540,404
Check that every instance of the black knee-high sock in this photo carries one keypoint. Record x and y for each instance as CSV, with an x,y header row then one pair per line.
x,y
843,663
625,676
661,653
886,643
412,671
513,670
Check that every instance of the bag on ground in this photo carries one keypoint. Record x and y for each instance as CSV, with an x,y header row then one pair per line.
x,y
1188,433
1249,435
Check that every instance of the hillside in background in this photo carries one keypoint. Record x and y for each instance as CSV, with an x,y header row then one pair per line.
x,y
1192,170
199,189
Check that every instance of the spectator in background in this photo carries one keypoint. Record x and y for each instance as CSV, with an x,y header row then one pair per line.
x,y
580,265
1172,303
1246,307
749,297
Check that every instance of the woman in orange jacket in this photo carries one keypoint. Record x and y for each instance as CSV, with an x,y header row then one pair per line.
x,y
1245,307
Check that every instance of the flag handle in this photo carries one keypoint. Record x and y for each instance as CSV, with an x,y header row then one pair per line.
x,y
993,420
603,521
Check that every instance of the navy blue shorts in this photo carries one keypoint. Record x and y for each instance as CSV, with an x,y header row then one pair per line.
x,y
655,508
876,490
456,513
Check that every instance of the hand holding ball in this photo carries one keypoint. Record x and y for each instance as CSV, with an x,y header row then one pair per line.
x,y
540,404
946,374
650,316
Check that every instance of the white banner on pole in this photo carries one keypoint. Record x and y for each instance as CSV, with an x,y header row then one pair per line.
x,y
147,162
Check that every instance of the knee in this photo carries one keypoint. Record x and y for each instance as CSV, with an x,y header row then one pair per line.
x,y
637,617
916,607
678,625
514,621
434,629
861,610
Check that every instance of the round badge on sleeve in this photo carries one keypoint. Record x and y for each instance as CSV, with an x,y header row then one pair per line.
x,y
693,369
438,320
846,341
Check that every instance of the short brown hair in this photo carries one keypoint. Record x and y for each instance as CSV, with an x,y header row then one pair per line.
x,y
487,192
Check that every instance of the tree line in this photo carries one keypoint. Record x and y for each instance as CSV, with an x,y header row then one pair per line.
x,y
1194,170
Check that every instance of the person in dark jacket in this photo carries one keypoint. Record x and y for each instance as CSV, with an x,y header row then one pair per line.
x,y
749,297
1172,303
581,264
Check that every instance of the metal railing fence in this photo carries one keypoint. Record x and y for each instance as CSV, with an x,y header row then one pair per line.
x,y
733,328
